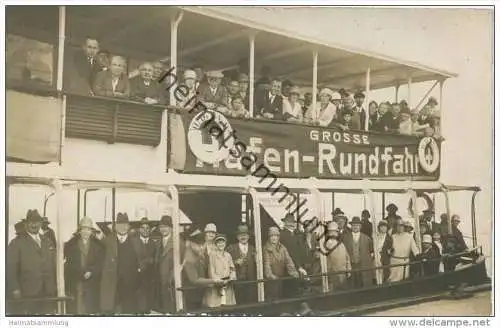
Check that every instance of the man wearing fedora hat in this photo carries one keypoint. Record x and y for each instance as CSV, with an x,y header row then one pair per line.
x,y
243,255
31,268
165,266
213,94
295,242
392,210
360,249
124,261
366,225
149,247
83,256
48,231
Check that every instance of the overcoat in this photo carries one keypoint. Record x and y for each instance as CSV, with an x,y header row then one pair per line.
x,y
365,251
83,291
109,278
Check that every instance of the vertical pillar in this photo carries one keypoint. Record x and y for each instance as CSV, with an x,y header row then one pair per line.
x,y
447,202
414,209
60,70
174,195
251,74
367,98
473,219
441,84
409,90
315,84
174,25
323,261
113,207
258,243
396,95
61,306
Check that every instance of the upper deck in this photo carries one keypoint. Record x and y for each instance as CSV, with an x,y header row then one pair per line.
x,y
88,137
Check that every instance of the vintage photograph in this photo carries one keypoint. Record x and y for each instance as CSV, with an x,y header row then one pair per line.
x,y
209,160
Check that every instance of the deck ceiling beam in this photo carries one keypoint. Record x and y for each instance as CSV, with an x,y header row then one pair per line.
x,y
335,63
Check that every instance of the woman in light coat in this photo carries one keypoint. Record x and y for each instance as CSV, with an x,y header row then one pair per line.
x,y
327,111
292,108
403,246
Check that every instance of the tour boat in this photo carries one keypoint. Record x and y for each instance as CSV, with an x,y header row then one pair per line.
x,y
76,143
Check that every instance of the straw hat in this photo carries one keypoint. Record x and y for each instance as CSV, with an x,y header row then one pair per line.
x,y
86,222
211,227
326,91
189,74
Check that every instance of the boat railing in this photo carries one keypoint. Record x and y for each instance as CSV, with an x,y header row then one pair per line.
x,y
475,253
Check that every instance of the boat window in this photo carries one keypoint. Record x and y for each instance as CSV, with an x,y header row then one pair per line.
x,y
29,62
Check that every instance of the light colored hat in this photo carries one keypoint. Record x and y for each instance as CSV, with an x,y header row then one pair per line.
x,y
86,222
274,231
326,91
408,224
295,90
436,114
332,226
215,74
190,74
211,227
336,96
427,239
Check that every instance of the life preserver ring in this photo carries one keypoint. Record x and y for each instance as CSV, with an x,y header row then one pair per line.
x,y
428,201
428,154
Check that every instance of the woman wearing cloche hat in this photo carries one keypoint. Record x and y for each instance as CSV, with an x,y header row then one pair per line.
x,y
326,110
83,263
292,108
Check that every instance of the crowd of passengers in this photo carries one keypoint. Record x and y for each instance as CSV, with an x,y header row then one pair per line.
x,y
132,271
96,72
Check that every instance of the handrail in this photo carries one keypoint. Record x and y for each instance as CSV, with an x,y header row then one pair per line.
x,y
334,273
40,299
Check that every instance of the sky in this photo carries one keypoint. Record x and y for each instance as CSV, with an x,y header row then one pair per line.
x,y
457,40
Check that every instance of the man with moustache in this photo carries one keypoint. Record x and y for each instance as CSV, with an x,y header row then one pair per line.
x,y
243,255
31,268
147,276
124,261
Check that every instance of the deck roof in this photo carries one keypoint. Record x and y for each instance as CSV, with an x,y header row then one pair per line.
x,y
214,38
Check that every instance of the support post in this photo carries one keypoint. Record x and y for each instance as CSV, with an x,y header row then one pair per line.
x,y
396,96
383,205
473,219
414,210
369,198
174,25
315,85
409,90
59,80
323,262
367,98
251,74
174,196
61,306
258,243
113,207
78,201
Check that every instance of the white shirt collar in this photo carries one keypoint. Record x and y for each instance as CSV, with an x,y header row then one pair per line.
x,y
122,238
35,236
243,248
144,240
355,235
147,83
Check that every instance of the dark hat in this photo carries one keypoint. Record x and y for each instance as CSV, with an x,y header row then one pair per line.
x,y
144,220
122,218
391,207
288,218
33,216
337,211
343,93
359,94
220,236
405,110
432,100
45,220
287,83
166,220
343,217
355,220
366,213
428,211
194,234
242,229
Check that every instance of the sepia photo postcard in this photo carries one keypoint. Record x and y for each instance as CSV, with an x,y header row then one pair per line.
x,y
176,161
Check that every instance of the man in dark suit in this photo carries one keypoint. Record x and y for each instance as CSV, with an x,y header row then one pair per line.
x,y
143,88
124,261
31,268
360,249
359,98
213,94
83,255
382,120
269,103
47,231
295,243
84,68
146,285
366,225
164,260
243,255
114,81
